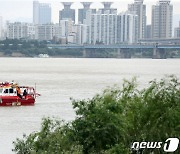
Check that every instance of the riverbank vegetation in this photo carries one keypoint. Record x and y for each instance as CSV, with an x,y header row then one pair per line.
x,y
110,122
32,48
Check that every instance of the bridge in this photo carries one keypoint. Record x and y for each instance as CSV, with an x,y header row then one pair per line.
x,y
159,50
132,46
160,40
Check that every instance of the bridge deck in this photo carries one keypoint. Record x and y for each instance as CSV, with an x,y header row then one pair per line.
x,y
114,46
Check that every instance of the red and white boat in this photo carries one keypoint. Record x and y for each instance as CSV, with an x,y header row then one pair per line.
x,y
11,96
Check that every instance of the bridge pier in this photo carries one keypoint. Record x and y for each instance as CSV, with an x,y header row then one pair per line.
x,y
162,53
84,54
123,53
154,53
159,53
119,53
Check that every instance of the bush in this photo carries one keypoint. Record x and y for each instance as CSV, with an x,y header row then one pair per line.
x,y
110,122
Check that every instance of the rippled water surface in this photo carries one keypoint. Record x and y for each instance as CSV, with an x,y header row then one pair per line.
x,y
59,79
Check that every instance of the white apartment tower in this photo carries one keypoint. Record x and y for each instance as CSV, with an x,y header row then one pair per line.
x,y
103,29
66,27
139,9
177,31
162,14
41,13
109,29
1,28
18,30
80,33
47,32
127,28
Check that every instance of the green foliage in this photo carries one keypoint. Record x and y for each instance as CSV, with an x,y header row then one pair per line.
x,y
54,137
110,122
101,53
29,48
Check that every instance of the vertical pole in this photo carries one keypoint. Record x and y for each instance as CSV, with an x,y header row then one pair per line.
x,y
118,53
84,53
35,91
155,51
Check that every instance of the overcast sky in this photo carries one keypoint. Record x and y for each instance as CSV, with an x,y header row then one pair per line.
x,y
22,10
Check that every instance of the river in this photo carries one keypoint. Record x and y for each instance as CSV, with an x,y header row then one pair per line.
x,y
58,79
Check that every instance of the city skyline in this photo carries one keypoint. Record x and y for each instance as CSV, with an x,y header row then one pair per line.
x,y
25,14
102,26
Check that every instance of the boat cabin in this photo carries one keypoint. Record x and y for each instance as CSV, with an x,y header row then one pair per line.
x,y
8,91
12,91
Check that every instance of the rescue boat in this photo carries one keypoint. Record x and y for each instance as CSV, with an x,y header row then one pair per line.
x,y
11,94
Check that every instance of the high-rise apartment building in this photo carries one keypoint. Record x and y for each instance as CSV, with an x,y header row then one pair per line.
x,y
66,26
127,28
47,32
177,31
18,30
1,28
41,13
139,9
107,8
162,19
82,13
67,12
148,33
81,37
112,28
102,29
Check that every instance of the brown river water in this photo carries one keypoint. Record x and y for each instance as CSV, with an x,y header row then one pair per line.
x,y
58,79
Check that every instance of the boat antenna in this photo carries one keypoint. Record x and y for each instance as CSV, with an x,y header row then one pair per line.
x,y
35,90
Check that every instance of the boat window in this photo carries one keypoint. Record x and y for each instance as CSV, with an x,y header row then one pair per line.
x,y
1,90
6,91
11,91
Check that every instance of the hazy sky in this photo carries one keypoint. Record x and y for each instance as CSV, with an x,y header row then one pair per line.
x,y
22,10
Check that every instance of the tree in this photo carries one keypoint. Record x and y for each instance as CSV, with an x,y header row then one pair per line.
x,y
110,122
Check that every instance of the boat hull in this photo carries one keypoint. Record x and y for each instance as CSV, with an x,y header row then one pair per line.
x,y
16,101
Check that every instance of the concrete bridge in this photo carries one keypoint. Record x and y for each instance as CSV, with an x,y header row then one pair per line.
x,y
159,51
160,40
